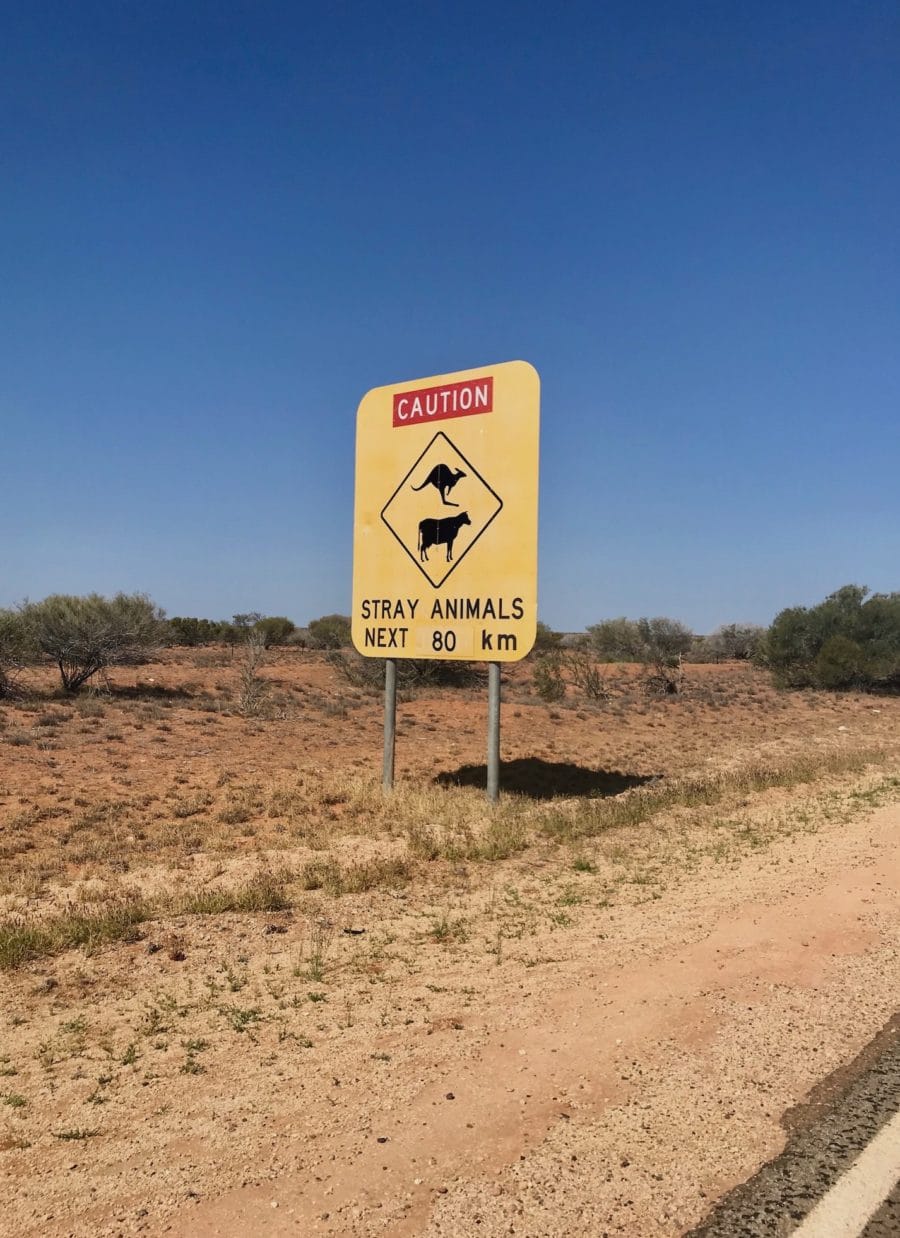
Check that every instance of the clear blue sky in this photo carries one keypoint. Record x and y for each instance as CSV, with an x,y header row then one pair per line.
x,y
221,223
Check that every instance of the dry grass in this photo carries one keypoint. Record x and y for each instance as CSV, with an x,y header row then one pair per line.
x,y
153,780
433,826
119,919
635,807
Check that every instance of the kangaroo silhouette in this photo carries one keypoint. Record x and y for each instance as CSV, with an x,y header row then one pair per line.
x,y
443,478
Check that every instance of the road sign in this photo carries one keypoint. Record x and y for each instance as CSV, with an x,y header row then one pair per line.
x,y
445,539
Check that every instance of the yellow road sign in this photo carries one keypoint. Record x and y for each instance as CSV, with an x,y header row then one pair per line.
x,y
445,530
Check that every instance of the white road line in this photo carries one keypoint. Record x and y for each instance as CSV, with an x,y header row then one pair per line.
x,y
845,1211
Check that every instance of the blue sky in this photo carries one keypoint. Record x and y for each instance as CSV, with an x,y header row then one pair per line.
x,y
221,223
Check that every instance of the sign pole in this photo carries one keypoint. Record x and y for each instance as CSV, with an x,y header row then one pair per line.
x,y
390,722
493,751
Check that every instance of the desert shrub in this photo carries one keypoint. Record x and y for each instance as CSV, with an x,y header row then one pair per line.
x,y
547,677
851,640
247,621
189,631
735,642
616,640
274,629
14,652
329,632
659,643
585,675
254,689
546,639
83,635
702,650
664,642
840,663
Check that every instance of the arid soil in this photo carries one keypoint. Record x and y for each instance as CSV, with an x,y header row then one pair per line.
x,y
327,1012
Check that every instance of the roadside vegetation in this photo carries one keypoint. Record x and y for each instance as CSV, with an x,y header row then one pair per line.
x,y
851,640
196,856
99,819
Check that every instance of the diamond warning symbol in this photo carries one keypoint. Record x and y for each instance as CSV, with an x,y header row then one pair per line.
x,y
440,509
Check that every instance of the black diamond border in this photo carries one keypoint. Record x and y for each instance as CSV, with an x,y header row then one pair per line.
x,y
456,562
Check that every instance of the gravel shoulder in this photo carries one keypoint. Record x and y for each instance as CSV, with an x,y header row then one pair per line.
x,y
620,1089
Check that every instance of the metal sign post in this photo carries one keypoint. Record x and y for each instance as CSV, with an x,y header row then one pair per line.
x,y
390,722
493,746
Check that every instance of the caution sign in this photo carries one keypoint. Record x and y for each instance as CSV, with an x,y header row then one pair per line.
x,y
445,531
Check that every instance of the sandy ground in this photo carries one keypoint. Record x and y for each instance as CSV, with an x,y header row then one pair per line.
x,y
591,1040
621,1089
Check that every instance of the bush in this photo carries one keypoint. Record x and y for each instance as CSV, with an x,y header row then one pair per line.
x,y
274,630
549,683
188,631
735,642
329,632
249,619
546,639
840,663
582,665
85,634
659,643
14,652
616,640
851,640
255,689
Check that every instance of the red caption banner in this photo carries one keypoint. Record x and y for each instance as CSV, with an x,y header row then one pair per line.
x,y
413,408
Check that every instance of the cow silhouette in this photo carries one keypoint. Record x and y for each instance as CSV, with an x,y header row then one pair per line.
x,y
443,478
440,533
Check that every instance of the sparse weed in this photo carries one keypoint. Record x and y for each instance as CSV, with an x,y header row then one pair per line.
x,y
241,1019
321,936
445,930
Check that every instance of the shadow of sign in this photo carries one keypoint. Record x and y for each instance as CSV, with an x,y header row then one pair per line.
x,y
546,780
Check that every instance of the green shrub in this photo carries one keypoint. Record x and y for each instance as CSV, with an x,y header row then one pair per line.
x,y
14,651
189,631
659,643
616,640
82,635
735,642
586,676
274,629
851,640
546,639
547,677
329,632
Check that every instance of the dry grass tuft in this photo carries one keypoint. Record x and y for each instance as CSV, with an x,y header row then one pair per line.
x,y
89,926
83,926
584,819
336,879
